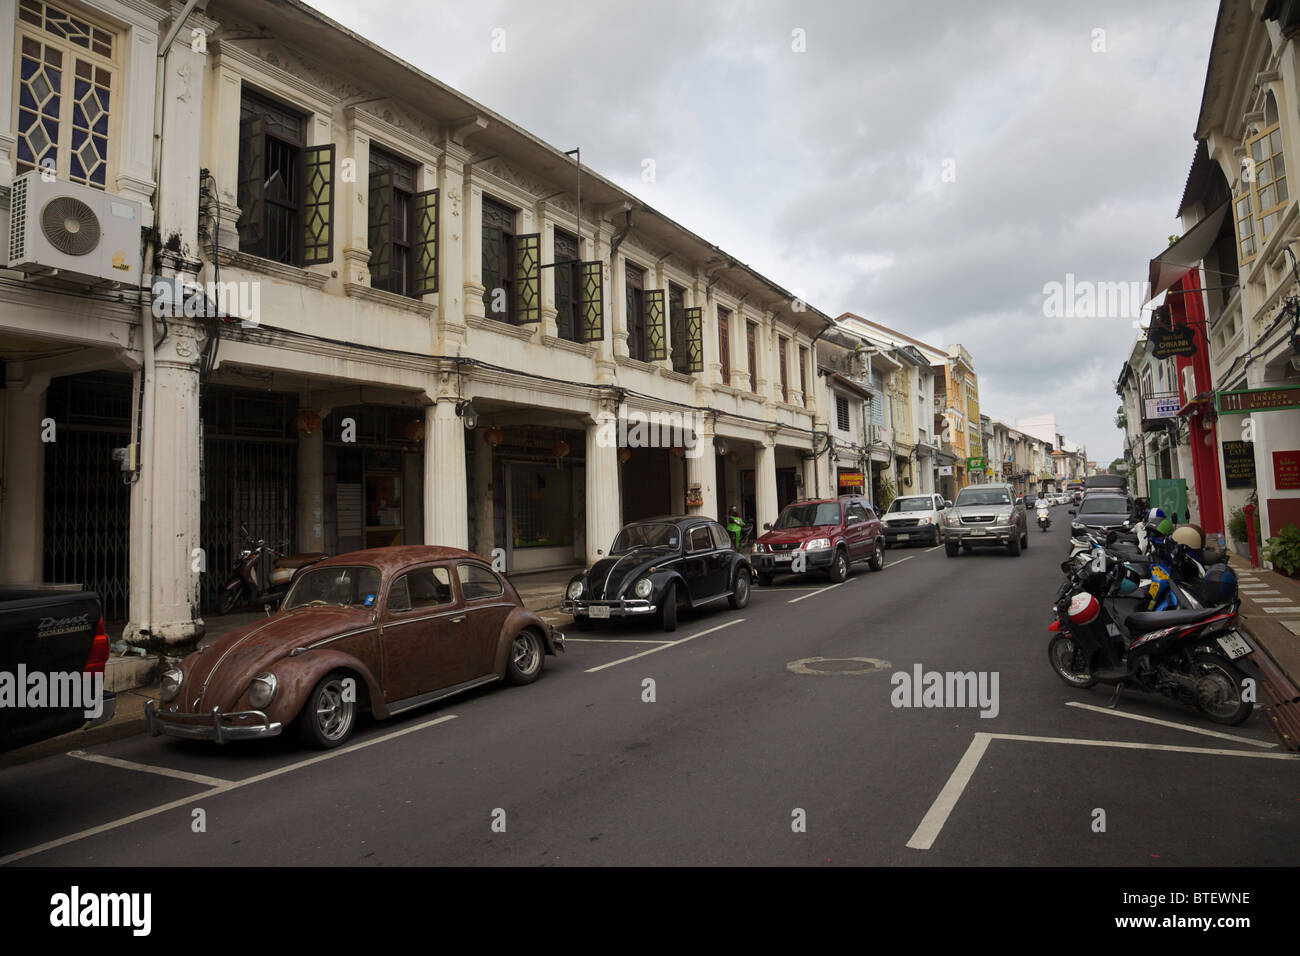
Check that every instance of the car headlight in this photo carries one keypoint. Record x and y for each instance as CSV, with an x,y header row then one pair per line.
x,y
171,682
817,544
760,548
643,588
921,521
1002,519
574,590
262,690
952,519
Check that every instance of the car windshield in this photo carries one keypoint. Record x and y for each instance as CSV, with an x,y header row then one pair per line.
x,y
656,535
340,586
1104,505
983,496
808,515
912,504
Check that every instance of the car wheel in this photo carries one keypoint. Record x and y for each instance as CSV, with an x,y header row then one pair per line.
x,y
1013,546
328,716
877,562
229,599
740,595
1024,538
668,613
764,580
934,542
527,652
839,570
950,549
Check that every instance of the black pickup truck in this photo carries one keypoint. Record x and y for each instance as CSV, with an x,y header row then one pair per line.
x,y
53,649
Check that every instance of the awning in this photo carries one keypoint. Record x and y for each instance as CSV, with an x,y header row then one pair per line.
x,y
1187,253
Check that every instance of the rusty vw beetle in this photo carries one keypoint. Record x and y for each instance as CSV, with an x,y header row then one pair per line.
x,y
383,630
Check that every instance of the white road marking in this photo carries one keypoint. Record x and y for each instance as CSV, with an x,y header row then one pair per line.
x,y
148,768
829,587
661,647
942,807
937,815
224,788
1269,600
608,640
1170,723
900,560
935,548
1282,610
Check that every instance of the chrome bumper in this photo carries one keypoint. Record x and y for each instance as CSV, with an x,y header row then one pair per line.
x,y
209,726
632,608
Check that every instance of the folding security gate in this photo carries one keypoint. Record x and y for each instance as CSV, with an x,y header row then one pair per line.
x,y
87,517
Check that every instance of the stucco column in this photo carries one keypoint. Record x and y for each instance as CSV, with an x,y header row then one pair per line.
x,y
165,600
702,469
604,502
765,483
311,487
446,523
453,245
485,518
22,509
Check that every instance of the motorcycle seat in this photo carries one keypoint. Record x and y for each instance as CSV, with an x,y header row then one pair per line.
x,y
296,561
1143,621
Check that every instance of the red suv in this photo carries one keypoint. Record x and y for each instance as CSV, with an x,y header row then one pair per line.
x,y
824,535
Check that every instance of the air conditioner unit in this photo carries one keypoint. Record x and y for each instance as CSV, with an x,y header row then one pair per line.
x,y
76,233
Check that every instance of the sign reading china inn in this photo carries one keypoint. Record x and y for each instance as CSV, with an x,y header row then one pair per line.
x,y
1259,400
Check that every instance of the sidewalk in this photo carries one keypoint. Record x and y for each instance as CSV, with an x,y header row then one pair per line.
x,y
1270,610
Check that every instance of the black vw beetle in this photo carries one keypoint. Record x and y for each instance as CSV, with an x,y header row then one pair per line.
x,y
658,566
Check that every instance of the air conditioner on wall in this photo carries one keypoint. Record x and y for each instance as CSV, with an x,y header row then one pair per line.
x,y
62,230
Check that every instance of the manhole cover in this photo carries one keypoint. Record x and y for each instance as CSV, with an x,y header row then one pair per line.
x,y
837,665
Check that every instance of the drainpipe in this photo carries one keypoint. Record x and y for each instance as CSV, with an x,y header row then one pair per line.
x,y
146,320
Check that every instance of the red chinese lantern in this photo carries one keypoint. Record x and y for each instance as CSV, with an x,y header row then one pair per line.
x,y
414,430
307,421
560,450
494,436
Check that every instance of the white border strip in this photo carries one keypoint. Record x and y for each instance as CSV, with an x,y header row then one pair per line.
x,y
149,768
655,650
1169,723
937,815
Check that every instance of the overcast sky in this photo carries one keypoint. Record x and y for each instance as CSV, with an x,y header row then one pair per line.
x,y
928,166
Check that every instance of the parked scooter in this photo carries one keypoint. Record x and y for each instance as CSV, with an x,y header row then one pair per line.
x,y
243,584
1102,633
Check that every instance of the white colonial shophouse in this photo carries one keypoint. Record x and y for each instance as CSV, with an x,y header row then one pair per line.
x,y
388,263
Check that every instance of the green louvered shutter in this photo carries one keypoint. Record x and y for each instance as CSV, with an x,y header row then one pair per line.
x,y
655,350
528,278
425,280
694,340
318,204
591,300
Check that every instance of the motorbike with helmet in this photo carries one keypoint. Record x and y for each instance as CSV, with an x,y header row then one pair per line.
x,y
1195,655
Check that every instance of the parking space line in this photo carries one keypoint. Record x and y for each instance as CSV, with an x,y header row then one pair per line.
x,y
1170,723
829,587
935,548
148,768
609,640
900,561
664,647
937,815
1134,745
215,791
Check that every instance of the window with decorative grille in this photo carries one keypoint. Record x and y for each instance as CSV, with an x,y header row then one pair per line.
x,y
634,280
568,322
498,255
67,83
724,344
286,188
391,226
782,353
751,349
842,413
803,377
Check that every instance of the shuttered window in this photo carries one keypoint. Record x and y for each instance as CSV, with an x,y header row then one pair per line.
x,y
724,345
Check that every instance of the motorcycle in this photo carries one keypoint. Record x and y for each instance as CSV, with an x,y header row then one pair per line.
x,y
1194,655
1044,517
243,584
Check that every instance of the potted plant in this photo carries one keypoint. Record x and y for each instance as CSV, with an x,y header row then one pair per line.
x,y
1283,551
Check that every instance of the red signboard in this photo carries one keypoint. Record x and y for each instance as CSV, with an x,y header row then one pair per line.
x,y
851,479
1286,470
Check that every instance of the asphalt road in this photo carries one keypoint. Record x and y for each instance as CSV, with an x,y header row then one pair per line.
x,y
744,756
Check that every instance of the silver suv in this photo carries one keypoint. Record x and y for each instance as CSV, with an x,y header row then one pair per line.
x,y
985,515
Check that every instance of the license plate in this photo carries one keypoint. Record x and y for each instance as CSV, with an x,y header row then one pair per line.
x,y
1234,645
978,532
781,558
599,611
902,537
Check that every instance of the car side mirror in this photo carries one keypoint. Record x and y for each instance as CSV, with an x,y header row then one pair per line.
x,y
767,526
947,503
